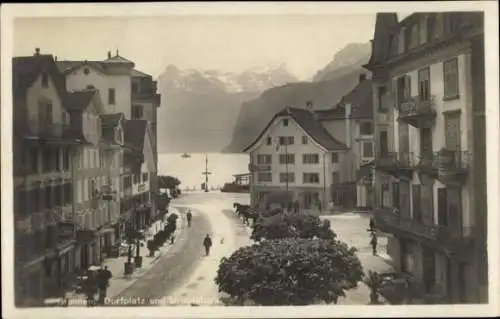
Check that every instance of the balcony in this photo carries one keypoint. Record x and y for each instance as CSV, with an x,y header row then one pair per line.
x,y
428,164
417,112
389,221
396,164
457,243
152,96
453,167
50,133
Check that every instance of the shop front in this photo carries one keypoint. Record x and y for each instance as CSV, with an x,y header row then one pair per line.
x,y
85,251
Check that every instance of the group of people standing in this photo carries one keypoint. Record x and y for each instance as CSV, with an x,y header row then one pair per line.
x,y
97,283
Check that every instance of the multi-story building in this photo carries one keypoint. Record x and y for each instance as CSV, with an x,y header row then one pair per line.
x,y
430,186
43,185
145,102
294,152
329,152
351,120
95,211
138,140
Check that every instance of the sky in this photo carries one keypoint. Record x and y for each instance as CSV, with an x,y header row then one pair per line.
x,y
305,43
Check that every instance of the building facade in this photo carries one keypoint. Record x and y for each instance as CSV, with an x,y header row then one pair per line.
x,y
294,153
43,185
74,167
427,85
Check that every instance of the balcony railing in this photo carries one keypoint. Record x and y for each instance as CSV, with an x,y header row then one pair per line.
x,y
395,163
388,220
453,160
42,130
418,112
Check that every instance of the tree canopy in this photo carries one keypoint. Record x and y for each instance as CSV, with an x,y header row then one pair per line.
x,y
292,271
168,182
292,225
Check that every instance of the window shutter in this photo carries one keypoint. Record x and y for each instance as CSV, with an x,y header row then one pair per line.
x,y
394,94
408,87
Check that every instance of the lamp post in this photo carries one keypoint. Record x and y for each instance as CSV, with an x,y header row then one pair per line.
x,y
206,173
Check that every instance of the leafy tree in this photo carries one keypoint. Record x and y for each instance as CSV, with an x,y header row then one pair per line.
x,y
293,225
168,182
290,271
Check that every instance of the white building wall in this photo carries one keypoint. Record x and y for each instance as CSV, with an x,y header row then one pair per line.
x,y
438,130
277,129
35,93
78,80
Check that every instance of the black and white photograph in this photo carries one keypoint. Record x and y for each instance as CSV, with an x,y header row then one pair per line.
x,y
213,159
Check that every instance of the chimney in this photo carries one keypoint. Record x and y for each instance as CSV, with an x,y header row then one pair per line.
x,y
37,51
109,54
362,77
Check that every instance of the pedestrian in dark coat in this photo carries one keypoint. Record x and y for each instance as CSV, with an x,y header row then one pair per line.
x,y
207,242
373,242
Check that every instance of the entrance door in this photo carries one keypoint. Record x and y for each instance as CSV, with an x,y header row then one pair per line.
x,y
454,202
404,199
404,139
426,143
429,264
395,195
442,207
384,143
416,201
452,135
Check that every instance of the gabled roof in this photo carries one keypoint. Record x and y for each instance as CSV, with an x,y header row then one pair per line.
x,y
80,100
335,113
111,120
118,59
361,100
25,71
138,74
305,119
69,66
135,132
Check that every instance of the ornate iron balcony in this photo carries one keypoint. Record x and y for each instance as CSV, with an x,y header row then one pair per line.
x,y
418,112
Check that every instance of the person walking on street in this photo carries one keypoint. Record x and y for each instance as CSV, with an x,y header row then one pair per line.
x,y
104,276
207,242
373,243
189,217
372,224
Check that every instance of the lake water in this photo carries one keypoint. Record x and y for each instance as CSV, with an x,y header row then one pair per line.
x,y
189,170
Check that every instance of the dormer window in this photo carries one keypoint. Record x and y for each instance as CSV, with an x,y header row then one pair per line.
x,y
86,71
45,80
90,87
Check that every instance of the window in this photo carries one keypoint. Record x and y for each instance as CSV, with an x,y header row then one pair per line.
x,y
137,178
57,157
384,142
304,139
111,96
287,158
287,177
135,87
335,157
450,78
265,177
137,111
285,122
310,178
310,158
423,31
45,80
335,177
286,140
145,177
268,141
382,107
414,36
367,149
424,86
86,71
366,128
90,87
264,159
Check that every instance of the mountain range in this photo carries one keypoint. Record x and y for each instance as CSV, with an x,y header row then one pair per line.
x,y
213,111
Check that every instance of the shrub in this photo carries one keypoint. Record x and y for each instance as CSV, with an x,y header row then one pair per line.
x,y
301,225
290,272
